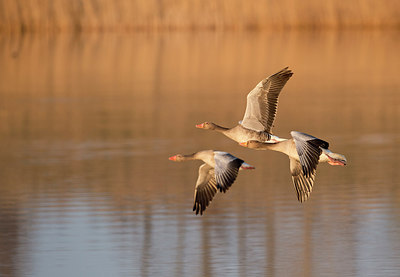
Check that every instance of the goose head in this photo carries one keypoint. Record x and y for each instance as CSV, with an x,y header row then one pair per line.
x,y
337,159
206,125
176,158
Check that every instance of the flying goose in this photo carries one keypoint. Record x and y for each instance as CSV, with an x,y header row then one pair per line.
x,y
218,172
260,111
304,151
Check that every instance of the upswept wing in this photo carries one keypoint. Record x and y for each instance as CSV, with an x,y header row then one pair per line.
x,y
262,102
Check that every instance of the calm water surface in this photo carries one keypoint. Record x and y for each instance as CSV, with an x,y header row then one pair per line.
x,y
88,123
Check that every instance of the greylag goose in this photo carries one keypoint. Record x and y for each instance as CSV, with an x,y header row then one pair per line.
x,y
260,111
219,171
304,151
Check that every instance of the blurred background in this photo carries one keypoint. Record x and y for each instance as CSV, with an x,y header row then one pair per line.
x,y
96,95
128,15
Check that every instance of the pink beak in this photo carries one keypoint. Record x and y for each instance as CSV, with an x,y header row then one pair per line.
x,y
201,126
173,158
337,163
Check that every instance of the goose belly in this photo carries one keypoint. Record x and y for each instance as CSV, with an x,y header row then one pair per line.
x,y
240,134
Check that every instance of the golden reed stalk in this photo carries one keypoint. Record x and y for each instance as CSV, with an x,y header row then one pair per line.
x,y
99,15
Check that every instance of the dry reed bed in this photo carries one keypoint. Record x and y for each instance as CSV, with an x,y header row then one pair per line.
x,y
89,15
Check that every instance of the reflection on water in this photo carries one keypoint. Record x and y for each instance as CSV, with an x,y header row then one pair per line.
x,y
88,123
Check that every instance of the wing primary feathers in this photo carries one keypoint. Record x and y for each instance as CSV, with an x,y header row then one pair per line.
x,y
213,179
262,101
226,170
303,184
309,150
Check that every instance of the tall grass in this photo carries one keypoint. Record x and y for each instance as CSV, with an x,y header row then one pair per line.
x,y
89,15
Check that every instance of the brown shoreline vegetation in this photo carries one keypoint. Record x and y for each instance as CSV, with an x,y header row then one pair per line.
x,y
131,15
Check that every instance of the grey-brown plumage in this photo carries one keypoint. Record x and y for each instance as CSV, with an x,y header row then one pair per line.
x,y
260,111
309,148
218,172
226,170
305,152
262,102
302,184
205,190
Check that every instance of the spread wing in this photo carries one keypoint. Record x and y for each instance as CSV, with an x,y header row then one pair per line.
x,y
309,149
205,190
262,102
226,169
302,184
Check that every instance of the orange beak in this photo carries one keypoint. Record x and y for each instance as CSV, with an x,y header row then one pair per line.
x,y
201,126
243,143
173,158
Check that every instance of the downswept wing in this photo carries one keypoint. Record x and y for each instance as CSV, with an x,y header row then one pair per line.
x,y
302,184
226,169
309,149
205,190
262,102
